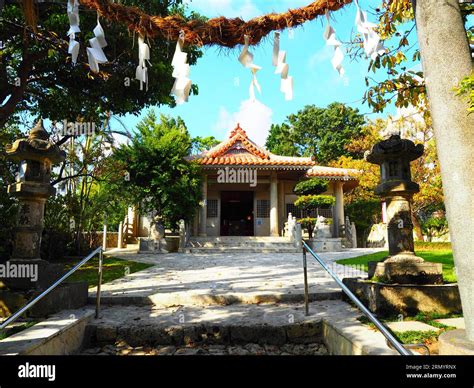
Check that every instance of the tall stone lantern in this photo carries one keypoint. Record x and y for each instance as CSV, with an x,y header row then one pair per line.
x,y
35,156
396,187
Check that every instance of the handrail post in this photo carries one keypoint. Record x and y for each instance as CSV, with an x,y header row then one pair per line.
x,y
99,283
306,292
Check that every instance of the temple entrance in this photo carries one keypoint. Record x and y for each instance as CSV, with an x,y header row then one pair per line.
x,y
237,213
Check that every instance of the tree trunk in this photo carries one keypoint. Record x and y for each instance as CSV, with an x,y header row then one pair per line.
x,y
446,60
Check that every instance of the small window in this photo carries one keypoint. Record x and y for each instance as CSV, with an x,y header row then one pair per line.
x,y
263,208
212,208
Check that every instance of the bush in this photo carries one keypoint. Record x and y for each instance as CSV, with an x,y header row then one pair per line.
x,y
434,227
313,186
310,202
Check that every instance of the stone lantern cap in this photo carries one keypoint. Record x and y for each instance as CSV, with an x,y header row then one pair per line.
x,y
394,148
35,147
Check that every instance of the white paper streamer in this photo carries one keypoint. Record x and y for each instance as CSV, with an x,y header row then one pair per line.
x,y
73,16
246,59
279,60
373,47
141,72
181,71
73,48
330,37
95,54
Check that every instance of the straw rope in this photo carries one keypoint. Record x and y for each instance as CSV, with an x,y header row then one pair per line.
x,y
217,31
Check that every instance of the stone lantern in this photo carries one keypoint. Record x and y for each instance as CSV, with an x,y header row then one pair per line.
x,y
35,156
396,187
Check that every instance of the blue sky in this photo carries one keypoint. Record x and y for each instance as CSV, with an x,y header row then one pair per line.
x,y
223,82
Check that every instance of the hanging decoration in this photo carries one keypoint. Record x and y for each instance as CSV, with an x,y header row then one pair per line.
x,y
226,32
373,47
95,54
330,37
182,83
73,16
246,59
141,73
279,61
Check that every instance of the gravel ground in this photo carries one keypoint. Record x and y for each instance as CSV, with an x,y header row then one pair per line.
x,y
123,349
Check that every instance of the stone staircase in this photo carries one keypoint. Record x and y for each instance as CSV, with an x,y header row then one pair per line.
x,y
241,244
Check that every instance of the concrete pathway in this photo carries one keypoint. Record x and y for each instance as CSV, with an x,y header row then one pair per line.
x,y
458,323
206,279
405,326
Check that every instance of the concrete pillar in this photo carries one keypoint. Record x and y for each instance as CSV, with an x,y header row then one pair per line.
x,y
104,234
281,206
120,236
203,212
446,60
274,205
338,216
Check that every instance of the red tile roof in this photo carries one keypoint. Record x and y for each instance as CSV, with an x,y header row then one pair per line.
x,y
239,150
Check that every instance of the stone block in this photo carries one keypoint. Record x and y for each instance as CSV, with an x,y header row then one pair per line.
x,y
106,334
407,299
304,333
407,272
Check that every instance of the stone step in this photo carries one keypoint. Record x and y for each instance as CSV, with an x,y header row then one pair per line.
x,y
238,244
285,249
209,244
241,238
332,323
205,299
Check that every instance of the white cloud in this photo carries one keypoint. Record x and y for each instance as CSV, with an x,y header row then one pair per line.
x,y
253,116
323,55
245,9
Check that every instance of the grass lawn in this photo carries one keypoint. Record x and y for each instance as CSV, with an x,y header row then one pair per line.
x,y
444,257
113,268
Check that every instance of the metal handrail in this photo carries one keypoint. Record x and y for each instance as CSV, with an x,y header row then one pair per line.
x,y
389,336
30,304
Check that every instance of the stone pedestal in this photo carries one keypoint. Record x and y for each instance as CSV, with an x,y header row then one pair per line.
x,y
387,300
411,271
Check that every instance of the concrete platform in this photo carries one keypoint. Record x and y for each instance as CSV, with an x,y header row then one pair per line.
x,y
225,278
60,334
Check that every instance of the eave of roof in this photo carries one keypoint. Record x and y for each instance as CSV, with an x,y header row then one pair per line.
x,y
254,156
